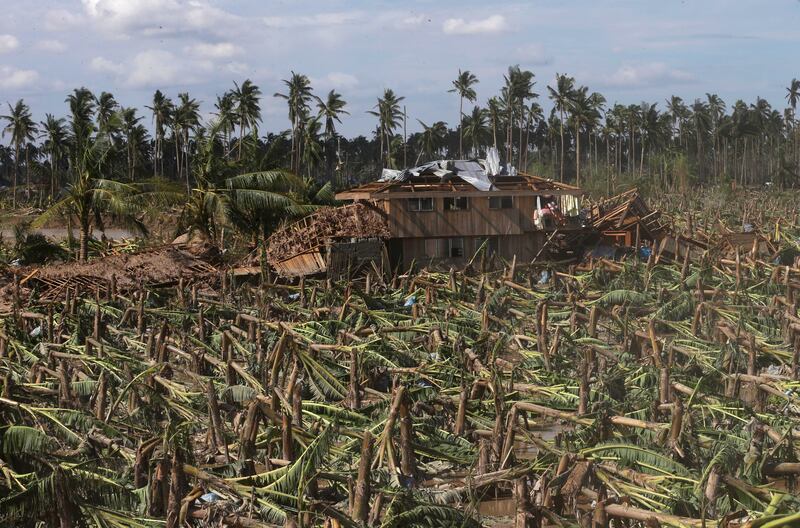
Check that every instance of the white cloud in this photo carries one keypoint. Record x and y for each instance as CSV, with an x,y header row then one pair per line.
x,y
459,26
322,20
62,20
159,68
103,65
534,55
340,80
237,68
154,67
52,46
646,74
157,17
411,21
220,50
8,43
12,78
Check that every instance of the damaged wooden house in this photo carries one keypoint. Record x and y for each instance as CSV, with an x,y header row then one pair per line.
x,y
441,213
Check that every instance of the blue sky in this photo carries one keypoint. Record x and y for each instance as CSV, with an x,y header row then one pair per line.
x,y
629,50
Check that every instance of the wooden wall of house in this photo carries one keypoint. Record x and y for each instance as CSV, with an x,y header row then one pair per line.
x,y
427,251
478,220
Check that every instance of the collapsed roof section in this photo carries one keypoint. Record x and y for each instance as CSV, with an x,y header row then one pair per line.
x,y
625,213
456,177
299,248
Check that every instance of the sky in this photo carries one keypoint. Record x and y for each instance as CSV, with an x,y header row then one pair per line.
x,y
629,50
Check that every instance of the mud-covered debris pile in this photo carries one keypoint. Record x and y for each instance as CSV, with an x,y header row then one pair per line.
x,y
123,272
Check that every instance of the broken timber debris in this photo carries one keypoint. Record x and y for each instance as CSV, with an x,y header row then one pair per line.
x,y
300,248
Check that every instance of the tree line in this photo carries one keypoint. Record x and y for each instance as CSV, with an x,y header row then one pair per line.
x,y
582,139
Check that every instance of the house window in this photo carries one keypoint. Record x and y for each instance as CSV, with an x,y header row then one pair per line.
x,y
420,204
455,247
432,248
501,202
490,245
460,203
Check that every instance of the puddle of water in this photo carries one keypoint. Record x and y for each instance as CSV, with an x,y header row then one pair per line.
x,y
503,507
60,233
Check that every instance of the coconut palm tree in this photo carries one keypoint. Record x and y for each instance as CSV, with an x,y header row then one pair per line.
x,y
389,114
476,129
650,130
54,134
247,109
312,144
185,119
793,93
533,117
561,96
793,96
517,90
331,110
82,107
129,126
106,107
678,113
716,110
92,192
227,118
162,110
494,107
298,96
582,113
255,202
432,139
463,86
596,102
22,129
701,120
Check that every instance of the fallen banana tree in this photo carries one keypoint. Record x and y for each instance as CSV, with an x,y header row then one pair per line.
x,y
639,392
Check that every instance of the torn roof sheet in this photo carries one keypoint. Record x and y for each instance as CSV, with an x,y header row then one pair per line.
x,y
474,172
